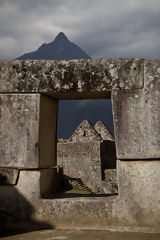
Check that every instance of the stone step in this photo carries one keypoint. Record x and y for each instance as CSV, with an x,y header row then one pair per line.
x,y
77,182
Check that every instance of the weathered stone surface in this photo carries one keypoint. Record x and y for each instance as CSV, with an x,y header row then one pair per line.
x,y
137,127
136,117
82,234
139,192
111,180
151,74
76,76
8,176
136,121
27,130
88,162
85,133
103,131
136,208
22,199
111,175
86,155
81,160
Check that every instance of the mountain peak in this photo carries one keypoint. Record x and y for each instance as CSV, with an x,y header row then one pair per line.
x,y
59,49
61,37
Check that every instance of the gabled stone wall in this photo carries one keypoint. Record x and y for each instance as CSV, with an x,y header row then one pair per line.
x,y
103,131
85,133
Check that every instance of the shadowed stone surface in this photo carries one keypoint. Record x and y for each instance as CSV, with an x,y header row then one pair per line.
x,y
84,235
136,208
8,176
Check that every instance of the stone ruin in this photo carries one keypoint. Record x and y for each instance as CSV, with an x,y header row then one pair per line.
x,y
29,94
89,154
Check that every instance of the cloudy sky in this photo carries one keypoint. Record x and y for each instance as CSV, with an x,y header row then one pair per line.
x,y
103,28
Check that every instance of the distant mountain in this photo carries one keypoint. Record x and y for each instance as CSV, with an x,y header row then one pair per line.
x,y
60,49
71,113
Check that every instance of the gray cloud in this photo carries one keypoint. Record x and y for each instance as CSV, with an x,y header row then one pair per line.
x,y
103,28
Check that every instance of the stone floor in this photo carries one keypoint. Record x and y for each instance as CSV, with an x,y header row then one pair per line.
x,y
83,235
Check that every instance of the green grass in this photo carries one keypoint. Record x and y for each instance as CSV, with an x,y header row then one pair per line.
x,y
77,191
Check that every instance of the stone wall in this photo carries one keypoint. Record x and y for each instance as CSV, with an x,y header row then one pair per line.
x,y
81,160
86,155
88,161
85,133
134,85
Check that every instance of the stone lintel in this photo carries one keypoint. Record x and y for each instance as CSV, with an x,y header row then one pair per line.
x,y
97,76
152,74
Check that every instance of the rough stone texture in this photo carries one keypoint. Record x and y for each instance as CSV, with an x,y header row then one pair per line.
x,y
137,126
22,199
79,234
86,155
152,74
85,133
81,160
139,192
136,117
88,161
136,120
111,176
136,208
8,176
27,130
103,131
97,76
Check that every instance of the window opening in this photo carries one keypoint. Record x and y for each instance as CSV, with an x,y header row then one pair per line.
x,y
86,148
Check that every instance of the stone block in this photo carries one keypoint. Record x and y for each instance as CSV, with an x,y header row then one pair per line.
x,y
111,175
8,176
91,78
139,192
136,117
136,121
27,130
23,199
151,74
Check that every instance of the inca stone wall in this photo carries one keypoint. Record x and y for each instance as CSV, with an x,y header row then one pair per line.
x,y
86,155
85,133
29,93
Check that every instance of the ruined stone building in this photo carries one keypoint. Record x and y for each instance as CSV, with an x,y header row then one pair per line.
x,y
89,154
